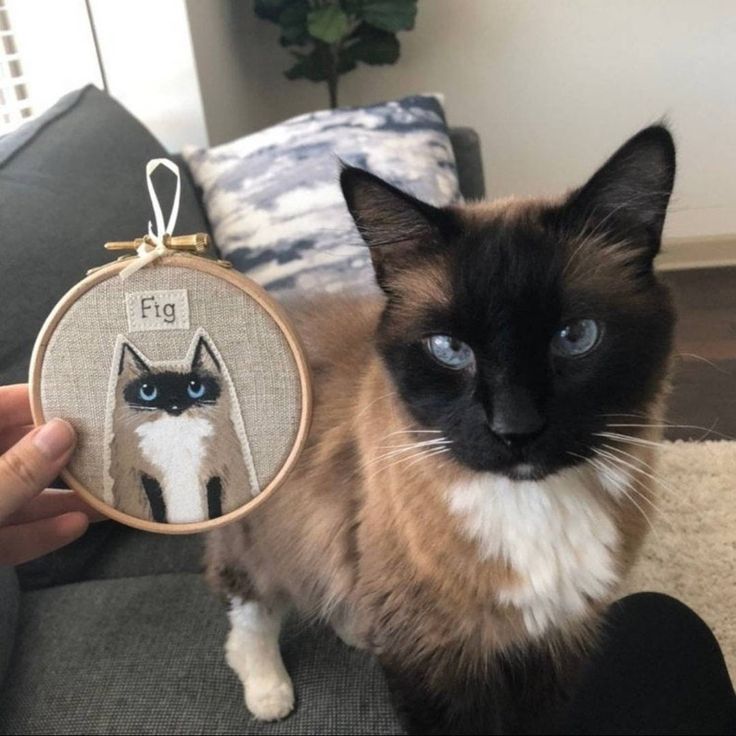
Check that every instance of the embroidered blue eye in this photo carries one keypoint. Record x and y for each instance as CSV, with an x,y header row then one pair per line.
x,y
576,338
148,392
195,389
450,352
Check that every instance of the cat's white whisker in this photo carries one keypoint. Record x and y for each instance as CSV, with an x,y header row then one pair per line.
x,y
624,487
401,460
630,439
397,451
436,441
413,431
707,430
375,401
424,456
386,456
618,461
622,462
656,509
717,367
676,492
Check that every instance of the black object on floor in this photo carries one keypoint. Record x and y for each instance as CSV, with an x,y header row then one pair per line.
x,y
660,671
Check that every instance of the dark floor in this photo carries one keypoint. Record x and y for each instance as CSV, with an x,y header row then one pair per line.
x,y
705,380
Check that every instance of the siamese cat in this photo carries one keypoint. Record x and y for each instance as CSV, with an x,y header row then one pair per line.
x,y
475,482
177,449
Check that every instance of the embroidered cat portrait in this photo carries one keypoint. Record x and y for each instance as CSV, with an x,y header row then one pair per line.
x,y
175,444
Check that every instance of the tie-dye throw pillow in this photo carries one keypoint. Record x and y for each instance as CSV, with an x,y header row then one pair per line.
x,y
274,200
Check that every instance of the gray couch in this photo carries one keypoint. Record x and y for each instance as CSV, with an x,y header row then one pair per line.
x,y
117,633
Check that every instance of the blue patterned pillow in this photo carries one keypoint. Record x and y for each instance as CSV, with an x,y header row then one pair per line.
x,y
274,200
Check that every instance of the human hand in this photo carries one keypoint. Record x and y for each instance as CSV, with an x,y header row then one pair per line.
x,y
34,521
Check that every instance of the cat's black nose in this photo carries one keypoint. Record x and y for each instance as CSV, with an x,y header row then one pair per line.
x,y
517,440
174,409
515,419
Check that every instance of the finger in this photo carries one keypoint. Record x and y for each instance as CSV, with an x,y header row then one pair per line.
x,y
24,542
53,502
11,435
15,408
31,464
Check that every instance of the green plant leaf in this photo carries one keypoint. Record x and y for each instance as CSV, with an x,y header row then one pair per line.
x,y
373,46
270,9
389,15
293,22
308,66
328,23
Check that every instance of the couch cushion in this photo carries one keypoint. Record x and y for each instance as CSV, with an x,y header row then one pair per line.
x,y
275,204
70,180
111,550
145,655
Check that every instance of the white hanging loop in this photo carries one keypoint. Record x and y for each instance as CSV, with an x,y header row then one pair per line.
x,y
154,246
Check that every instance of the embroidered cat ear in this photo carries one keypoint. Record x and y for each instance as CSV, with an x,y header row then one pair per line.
x,y
203,354
131,361
396,226
626,199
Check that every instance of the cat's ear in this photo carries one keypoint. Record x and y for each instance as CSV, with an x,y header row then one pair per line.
x,y
203,358
626,199
131,361
394,225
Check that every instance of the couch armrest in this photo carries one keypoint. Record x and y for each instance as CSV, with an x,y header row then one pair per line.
x,y
469,160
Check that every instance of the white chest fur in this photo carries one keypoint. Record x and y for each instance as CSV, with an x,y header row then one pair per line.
x,y
176,447
555,535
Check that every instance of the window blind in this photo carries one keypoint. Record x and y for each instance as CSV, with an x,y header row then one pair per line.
x,y
15,104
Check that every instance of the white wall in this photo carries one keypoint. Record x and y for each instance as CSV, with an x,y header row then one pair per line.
x,y
552,87
146,50
147,55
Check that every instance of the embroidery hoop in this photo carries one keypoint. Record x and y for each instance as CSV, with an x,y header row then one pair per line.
x,y
213,269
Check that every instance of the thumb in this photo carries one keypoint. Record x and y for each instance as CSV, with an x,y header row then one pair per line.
x,y
32,463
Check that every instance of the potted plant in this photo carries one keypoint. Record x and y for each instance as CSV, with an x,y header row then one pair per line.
x,y
334,36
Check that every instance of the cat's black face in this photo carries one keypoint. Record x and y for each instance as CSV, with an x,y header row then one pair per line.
x,y
147,388
519,333
522,375
171,392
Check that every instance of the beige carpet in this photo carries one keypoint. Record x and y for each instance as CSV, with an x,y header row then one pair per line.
x,y
692,556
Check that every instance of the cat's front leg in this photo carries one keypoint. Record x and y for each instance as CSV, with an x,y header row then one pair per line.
x,y
252,650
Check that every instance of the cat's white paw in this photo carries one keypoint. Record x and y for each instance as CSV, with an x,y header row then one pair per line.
x,y
269,699
252,650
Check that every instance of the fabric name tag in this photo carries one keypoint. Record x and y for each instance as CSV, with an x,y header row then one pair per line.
x,y
157,310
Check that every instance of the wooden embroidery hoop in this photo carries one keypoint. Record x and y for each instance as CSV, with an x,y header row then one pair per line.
x,y
274,311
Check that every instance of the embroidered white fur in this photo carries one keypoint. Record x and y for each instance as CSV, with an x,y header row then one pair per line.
x,y
252,651
555,535
176,447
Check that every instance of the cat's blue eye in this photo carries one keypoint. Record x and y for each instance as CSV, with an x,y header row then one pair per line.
x,y
147,392
576,338
450,352
195,389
